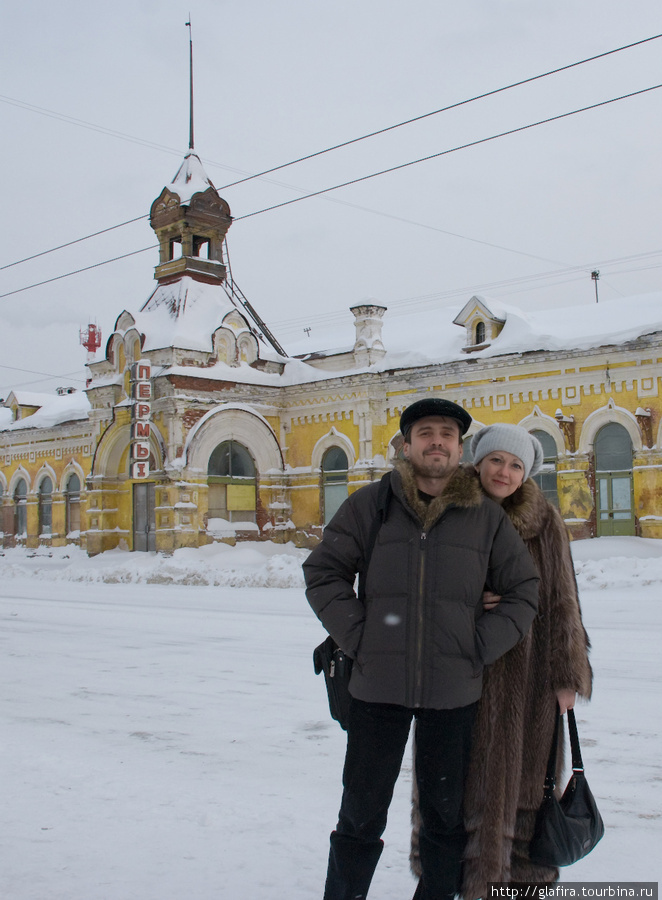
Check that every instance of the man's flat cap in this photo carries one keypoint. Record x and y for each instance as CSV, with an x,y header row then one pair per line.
x,y
434,406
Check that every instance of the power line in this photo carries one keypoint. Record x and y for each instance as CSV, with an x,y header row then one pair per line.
x,y
376,212
405,305
78,271
123,136
422,159
91,126
387,171
455,234
443,109
71,243
68,375
101,129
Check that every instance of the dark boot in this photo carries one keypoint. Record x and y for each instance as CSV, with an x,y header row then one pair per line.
x,y
352,864
422,894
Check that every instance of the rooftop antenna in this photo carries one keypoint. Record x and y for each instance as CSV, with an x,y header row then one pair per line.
x,y
190,43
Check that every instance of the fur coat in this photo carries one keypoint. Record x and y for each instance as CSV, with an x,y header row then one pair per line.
x,y
516,713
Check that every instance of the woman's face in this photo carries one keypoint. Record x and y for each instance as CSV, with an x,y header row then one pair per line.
x,y
501,473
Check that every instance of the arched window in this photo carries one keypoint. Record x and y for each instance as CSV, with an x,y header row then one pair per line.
x,y
613,449
46,506
480,333
334,481
546,478
613,476
231,477
21,508
72,498
200,247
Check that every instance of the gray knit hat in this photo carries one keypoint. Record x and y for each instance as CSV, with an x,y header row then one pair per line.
x,y
513,439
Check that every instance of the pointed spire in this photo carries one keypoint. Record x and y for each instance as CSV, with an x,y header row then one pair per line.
x,y
190,41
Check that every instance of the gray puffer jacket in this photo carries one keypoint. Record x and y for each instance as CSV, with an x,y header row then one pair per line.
x,y
422,638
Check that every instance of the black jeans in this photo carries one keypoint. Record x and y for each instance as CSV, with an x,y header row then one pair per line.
x,y
376,738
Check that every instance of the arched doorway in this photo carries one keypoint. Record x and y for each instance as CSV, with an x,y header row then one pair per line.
x,y
334,481
144,516
21,508
613,481
232,481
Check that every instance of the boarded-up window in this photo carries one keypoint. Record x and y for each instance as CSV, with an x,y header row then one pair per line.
x,y
231,477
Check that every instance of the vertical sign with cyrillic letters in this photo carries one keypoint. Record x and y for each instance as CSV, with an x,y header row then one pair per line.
x,y
141,375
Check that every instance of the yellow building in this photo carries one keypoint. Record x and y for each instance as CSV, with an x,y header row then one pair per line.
x,y
196,426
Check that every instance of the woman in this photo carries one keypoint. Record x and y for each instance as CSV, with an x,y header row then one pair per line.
x,y
516,715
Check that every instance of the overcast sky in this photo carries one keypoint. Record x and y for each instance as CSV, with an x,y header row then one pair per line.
x,y
94,119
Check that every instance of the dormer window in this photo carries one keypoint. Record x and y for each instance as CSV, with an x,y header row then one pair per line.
x,y
482,325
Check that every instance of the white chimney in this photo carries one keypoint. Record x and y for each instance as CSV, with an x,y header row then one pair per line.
x,y
368,347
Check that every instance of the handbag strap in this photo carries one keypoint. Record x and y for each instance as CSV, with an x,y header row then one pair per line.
x,y
550,776
577,764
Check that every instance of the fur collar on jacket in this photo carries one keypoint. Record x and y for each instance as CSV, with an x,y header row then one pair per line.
x,y
462,490
528,510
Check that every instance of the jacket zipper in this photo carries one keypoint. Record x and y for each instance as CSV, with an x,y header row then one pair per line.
x,y
418,688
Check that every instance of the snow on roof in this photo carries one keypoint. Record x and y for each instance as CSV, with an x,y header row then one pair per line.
x,y
184,314
424,338
295,372
432,338
578,327
190,179
54,410
29,398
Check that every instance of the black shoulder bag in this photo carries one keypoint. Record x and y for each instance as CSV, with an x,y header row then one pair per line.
x,y
567,829
328,657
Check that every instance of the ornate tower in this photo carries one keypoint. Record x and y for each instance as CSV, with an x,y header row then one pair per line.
x,y
190,220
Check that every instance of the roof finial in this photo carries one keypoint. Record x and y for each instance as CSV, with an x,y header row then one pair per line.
x,y
190,37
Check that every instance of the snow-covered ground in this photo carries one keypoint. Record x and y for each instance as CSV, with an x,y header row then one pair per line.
x,y
163,736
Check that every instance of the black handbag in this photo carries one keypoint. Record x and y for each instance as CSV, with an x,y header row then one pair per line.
x,y
569,828
337,668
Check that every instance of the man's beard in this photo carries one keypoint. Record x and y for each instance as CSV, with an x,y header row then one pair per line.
x,y
432,469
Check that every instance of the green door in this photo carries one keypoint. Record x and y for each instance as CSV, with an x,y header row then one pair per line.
x,y
615,512
613,476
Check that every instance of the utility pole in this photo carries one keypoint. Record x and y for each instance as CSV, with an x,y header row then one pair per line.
x,y
595,275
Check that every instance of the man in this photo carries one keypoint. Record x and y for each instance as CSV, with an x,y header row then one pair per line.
x,y
419,642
